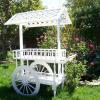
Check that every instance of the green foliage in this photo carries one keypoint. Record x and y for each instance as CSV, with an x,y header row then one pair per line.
x,y
9,56
5,74
76,44
77,68
49,39
86,14
33,36
74,70
2,55
9,34
80,48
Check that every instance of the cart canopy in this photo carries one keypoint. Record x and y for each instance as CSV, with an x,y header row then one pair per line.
x,y
38,18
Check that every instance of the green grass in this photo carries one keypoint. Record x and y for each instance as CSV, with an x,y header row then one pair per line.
x,y
80,93
7,92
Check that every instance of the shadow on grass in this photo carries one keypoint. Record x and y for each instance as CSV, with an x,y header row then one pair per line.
x,y
7,93
5,66
71,88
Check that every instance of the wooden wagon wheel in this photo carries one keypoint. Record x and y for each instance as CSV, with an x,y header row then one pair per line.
x,y
25,82
40,66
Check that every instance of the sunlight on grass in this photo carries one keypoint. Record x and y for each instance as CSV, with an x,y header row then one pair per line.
x,y
80,93
6,74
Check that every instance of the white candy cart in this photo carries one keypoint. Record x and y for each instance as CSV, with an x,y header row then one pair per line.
x,y
47,65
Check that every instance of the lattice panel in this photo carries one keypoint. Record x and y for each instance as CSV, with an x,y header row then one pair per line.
x,y
39,18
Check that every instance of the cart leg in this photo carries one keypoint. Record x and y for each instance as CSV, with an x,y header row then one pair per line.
x,y
62,85
62,66
54,83
59,68
54,92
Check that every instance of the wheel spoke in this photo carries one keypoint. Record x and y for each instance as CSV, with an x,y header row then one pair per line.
x,y
37,68
42,69
25,81
31,86
21,87
18,84
27,89
46,71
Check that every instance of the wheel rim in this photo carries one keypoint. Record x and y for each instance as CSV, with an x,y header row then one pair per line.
x,y
41,67
25,81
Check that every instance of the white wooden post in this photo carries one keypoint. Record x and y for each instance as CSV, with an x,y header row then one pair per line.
x,y
21,36
58,35
59,68
59,44
54,79
21,41
62,66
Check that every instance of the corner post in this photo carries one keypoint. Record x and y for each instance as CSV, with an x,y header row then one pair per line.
x,y
58,35
59,44
21,43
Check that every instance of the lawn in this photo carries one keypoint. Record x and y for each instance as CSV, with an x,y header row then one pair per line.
x,y
7,92
80,93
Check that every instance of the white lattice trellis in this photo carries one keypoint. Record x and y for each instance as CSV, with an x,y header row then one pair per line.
x,y
40,18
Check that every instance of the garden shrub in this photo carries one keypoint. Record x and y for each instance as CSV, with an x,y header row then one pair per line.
x,y
48,39
93,64
9,57
74,70
80,48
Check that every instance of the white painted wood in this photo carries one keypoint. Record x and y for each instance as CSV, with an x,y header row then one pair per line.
x,y
40,18
54,86
21,41
21,36
58,35
40,66
48,55
25,82
59,68
71,57
63,78
35,73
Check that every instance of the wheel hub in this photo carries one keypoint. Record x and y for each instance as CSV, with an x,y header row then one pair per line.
x,y
25,80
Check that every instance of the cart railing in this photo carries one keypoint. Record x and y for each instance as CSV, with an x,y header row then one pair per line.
x,y
39,53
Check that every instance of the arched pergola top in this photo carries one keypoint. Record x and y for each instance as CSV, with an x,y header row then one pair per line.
x,y
39,18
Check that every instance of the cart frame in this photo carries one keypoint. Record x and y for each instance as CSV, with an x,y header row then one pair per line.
x,y
53,60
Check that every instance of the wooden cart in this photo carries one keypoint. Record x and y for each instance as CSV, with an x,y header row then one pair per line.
x,y
47,65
